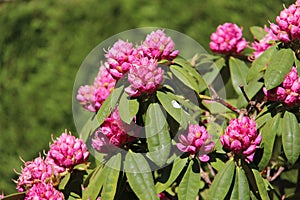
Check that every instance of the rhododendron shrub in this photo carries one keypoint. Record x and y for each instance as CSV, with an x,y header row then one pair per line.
x,y
160,128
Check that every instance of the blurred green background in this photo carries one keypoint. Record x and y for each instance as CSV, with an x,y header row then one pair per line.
x,y
43,43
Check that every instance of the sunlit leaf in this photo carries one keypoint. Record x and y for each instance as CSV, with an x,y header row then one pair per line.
x,y
157,134
260,185
291,137
109,104
95,184
280,64
177,167
259,65
268,133
258,32
111,177
241,189
185,77
128,108
190,183
139,176
238,73
222,182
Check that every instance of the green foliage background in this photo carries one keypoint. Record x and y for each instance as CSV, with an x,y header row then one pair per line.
x,y
42,44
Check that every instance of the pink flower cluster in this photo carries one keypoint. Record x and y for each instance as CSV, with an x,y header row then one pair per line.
x,y
241,137
196,142
228,39
123,58
288,24
37,176
157,45
266,42
43,191
113,131
120,58
91,97
288,92
144,77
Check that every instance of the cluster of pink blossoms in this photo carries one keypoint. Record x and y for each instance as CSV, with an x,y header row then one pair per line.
x,y
288,92
266,42
123,58
37,176
91,97
196,142
228,39
241,137
112,131
288,24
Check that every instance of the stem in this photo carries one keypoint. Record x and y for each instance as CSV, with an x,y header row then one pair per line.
x,y
218,99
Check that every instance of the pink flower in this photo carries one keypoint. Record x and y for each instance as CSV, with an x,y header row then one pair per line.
x,y
103,85
113,131
34,171
43,191
157,45
288,22
68,151
144,76
120,58
227,39
241,137
287,92
1,196
197,141
86,97
263,44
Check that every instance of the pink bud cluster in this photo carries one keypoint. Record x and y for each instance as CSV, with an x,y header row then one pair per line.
x,y
228,39
241,137
144,77
113,131
197,141
266,42
68,151
157,45
123,58
91,97
288,24
37,176
287,92
43,191
120,58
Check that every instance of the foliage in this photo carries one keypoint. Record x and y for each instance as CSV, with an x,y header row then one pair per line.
x,y
34,54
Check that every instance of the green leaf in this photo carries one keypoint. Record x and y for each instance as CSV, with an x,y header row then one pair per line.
x,y
109,104
241,189
280,64
139,176
190,183
64,181
167,99
268,133
95,184
15,196
177,167
258,32
157,134
185,77
259,64
88,128
260,185
238,73
222,182
128,108
192,71
211,72
111,177
291,137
